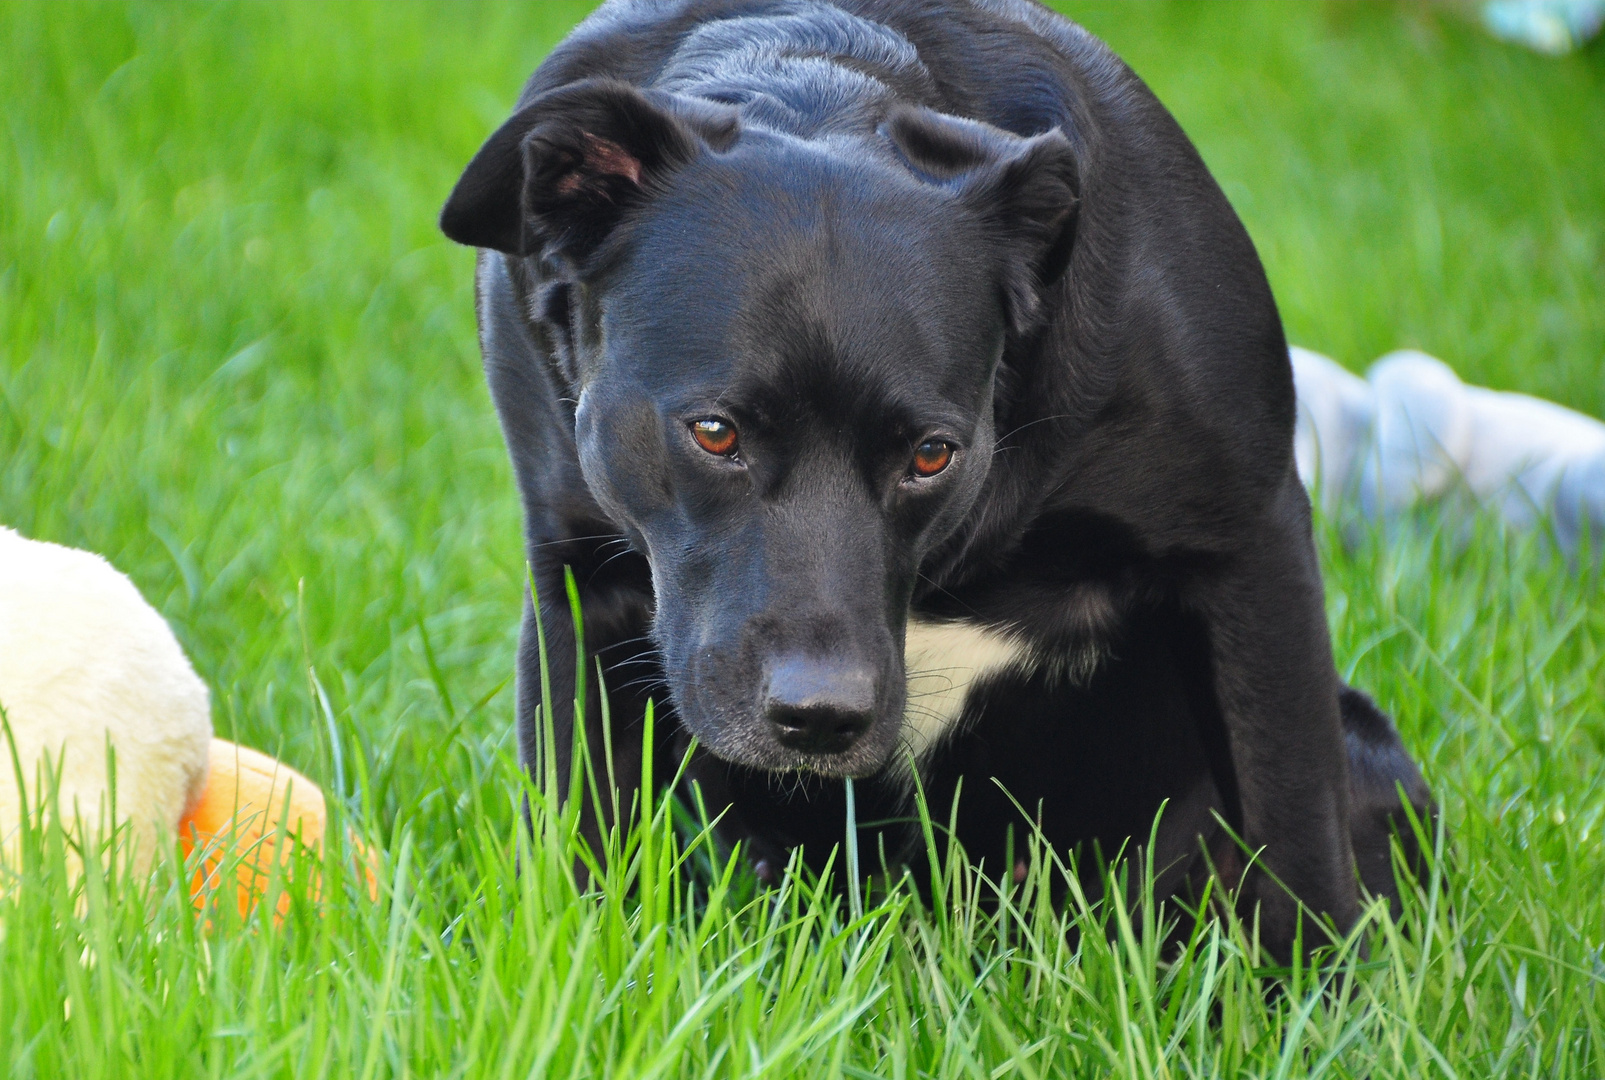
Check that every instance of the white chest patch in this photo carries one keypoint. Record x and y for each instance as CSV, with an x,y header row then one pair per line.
x,y
943,661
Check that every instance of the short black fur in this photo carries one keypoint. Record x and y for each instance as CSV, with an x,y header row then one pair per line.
x,y
1003,368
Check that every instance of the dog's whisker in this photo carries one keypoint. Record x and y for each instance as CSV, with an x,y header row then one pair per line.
x,y
636,661
610,559
637,684
651,648
610,646
1012,432
611,538
945,592
921,710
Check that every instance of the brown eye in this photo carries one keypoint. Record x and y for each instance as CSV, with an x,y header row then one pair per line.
x,y
715,436
931,457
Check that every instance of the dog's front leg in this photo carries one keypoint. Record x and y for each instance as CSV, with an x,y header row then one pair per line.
x,y
1277,691
617,777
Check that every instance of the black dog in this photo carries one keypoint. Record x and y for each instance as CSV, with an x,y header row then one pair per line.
x,y
904,394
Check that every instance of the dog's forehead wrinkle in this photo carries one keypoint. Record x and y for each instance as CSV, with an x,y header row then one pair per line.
x,y
780,321
804,277
884,368
795,202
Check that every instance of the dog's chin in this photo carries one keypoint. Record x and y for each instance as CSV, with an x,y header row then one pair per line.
x,y
859,762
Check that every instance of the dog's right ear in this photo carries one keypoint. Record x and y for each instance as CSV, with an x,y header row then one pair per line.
x,y
559,176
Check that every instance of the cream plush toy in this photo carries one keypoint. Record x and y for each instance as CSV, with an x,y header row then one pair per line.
x,y
85,661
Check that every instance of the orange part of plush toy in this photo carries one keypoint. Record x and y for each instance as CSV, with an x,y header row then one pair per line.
x,y
254,811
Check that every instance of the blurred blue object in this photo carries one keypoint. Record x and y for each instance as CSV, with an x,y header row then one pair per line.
x,y
1555,27
1411,431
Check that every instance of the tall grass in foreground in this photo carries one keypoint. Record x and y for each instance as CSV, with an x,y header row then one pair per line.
x,y
669,961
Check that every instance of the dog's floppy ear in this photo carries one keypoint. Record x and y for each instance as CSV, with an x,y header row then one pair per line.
x,y
558,176
1026,188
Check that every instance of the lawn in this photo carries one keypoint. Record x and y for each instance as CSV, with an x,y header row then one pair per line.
x,y
237,359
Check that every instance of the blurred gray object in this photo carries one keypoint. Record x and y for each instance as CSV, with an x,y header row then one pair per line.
x,y
1555,27
1411,431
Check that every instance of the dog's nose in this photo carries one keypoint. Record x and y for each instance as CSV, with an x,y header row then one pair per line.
x,y
819,706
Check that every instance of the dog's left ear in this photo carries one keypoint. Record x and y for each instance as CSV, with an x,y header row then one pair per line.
x,y
559,176
1027,188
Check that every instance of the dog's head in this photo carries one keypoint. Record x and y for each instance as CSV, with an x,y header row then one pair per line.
x,y
783,355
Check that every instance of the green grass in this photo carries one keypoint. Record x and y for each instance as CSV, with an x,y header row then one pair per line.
x,y
236,358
